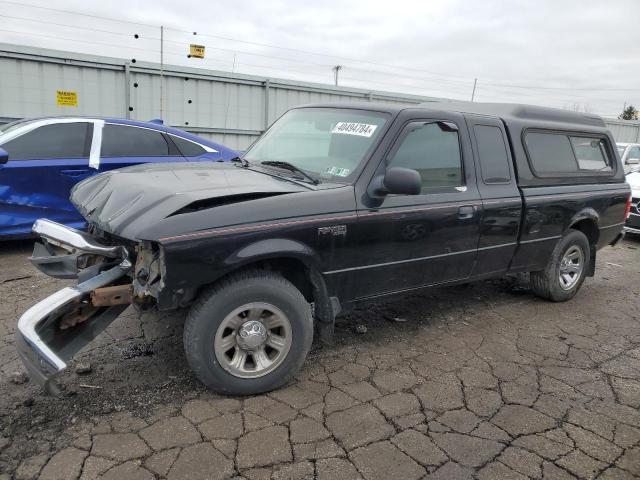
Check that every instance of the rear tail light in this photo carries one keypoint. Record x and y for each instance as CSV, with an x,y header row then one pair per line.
x,y
627,210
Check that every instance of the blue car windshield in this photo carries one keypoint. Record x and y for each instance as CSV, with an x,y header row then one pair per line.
x,y
327,143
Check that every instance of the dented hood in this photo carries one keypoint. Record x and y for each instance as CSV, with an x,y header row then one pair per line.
x,y
131,200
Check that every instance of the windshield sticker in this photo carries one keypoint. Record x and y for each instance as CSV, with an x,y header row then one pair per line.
x,y
338,172
351,128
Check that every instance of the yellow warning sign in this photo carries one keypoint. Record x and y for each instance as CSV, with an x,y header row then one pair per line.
x,y
65,98
196,51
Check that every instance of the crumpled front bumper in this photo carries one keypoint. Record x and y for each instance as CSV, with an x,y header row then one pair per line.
x,y
43,346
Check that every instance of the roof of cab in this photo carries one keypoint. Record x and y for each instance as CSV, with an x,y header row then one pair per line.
x,y
505,111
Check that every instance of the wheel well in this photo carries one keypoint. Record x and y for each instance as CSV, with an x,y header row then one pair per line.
x,y
294,270
310,283
589,228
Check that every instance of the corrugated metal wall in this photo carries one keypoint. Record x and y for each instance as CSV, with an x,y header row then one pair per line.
x,y
232,109
28,88
625,130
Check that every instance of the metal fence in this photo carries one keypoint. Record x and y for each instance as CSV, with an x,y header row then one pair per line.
x,y
232,109
624,130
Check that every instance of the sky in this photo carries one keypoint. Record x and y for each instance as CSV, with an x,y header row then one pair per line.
x,y
575,54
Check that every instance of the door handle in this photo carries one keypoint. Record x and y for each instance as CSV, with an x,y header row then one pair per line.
x,y
74,173
466,211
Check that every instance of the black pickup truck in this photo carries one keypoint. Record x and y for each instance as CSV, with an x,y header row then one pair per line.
x,y
335,204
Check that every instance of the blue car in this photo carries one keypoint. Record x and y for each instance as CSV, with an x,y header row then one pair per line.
x,y
48,156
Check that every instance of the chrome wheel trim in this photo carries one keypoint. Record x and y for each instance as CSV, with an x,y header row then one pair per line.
x,y
253,340
571,267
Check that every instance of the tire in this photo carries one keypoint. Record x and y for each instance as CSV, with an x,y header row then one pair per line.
x,y
219,317
548,284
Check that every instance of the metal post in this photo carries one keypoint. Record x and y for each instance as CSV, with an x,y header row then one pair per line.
x,y
127,89
336,69
266,103
233,69
161,69
473,94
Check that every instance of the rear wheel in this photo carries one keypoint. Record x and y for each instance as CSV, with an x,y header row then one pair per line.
x,y
564,274
248,335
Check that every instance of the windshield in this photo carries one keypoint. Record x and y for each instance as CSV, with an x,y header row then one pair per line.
x,y
329,143
621,150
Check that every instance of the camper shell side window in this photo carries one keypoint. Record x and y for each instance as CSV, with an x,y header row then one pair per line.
x,y
552,153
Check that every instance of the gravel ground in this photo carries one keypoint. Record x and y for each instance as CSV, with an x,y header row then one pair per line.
x,y
478,381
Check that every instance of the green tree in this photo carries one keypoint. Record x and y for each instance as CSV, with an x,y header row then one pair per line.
x,y
629,113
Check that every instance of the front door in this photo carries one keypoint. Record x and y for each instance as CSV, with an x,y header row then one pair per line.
x,y
44,164
410,241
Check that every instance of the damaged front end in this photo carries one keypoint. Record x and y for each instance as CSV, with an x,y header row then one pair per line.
x,y
55,329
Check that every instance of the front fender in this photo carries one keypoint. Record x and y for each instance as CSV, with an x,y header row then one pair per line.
x,y
272,248
190,268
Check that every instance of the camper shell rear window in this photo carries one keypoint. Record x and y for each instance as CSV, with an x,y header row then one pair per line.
x,y
559,154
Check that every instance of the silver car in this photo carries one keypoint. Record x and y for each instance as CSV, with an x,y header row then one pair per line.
x,y
630,155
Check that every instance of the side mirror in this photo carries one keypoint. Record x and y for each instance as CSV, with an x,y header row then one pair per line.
x,y
633,161
4,156
397,181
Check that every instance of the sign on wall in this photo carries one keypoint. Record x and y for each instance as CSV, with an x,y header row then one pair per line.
x,y
196,51
66,98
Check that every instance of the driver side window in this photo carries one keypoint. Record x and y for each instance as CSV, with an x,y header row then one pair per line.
x,y
55,141
433,150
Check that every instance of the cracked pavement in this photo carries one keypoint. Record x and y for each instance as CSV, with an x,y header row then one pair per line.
x,y
480,381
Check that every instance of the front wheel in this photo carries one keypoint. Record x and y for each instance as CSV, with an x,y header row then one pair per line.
x,y
563,276
249,334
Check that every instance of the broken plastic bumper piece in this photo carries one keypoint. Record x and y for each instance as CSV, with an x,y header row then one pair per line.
x,y
56,328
